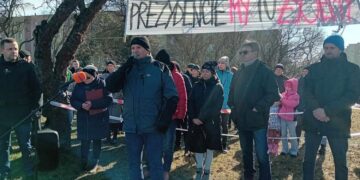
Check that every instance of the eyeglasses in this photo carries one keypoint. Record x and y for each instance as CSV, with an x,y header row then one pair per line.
x,y
243,52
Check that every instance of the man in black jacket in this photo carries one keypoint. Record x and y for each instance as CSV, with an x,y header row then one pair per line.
x,y
331,87
252,91
19,95
280,77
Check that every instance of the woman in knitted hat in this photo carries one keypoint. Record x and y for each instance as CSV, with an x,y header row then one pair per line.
x,y
225,76
204,113
91,100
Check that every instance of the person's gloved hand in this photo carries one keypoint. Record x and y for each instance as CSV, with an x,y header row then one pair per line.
x,y
129,63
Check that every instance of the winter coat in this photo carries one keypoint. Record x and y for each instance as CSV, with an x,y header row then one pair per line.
x,y
205,104
115,109
181,107
192,79
188,84
280,82
19,91
334,85
252,86
301,105
225,78
93,124
289,100
147,83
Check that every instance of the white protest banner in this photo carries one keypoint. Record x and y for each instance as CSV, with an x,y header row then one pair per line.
x,y
151,17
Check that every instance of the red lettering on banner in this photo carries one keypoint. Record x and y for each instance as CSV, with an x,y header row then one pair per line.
x,y
320,7
301,16
283,9
324,12
240,6
344,15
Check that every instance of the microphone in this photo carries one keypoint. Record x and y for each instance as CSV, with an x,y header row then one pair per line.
x,y
78,77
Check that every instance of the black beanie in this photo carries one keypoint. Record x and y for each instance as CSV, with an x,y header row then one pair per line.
x,y
142,41
209,65
281,66
111,62
90,69
163,56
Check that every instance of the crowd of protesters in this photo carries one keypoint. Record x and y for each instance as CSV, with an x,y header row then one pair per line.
x,y
265,106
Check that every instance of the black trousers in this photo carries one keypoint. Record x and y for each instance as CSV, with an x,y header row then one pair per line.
x,y
224,128
183,125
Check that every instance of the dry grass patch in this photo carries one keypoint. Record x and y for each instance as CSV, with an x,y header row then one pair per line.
x,y
225,166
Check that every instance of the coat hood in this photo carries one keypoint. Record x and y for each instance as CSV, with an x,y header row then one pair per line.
x,y
294,84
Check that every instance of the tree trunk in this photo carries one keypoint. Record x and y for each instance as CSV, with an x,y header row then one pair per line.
x,y
52,76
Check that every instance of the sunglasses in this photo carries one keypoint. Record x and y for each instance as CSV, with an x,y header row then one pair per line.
x,y
244,52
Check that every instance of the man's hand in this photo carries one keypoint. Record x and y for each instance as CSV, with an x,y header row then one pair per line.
x,y
197,121
129,62
320,115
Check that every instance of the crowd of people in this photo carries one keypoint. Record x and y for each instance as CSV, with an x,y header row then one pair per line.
x,y
265,106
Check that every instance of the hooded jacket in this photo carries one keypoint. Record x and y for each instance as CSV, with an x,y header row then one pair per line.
x,y
289,100
334,85
181,107
146,88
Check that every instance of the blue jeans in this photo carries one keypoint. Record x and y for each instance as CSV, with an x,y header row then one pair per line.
x,y
339,147
152,144
23,136
168,147
246,143
289,126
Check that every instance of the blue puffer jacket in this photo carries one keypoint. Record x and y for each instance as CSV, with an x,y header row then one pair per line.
x,y
145,87
225,78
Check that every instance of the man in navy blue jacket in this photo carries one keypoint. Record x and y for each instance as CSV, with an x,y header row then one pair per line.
x,y
150,99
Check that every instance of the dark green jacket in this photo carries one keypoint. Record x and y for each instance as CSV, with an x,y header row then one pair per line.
x,y
19,91
333,85
253,86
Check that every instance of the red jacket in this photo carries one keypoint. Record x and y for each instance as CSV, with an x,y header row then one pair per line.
x,y
181,108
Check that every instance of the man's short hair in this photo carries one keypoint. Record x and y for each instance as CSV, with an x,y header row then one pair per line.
x,y
6,40
74,60
253,45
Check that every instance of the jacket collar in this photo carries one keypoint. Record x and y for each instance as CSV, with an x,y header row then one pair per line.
x,y
145,60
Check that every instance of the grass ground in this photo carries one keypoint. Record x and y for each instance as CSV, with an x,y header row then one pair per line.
x,y
225,166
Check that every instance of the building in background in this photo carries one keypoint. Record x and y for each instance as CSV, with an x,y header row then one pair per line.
x,y
352,51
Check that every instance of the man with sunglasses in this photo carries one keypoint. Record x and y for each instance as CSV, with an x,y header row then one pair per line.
x,y
252,91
